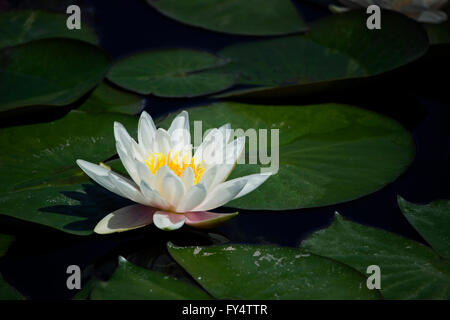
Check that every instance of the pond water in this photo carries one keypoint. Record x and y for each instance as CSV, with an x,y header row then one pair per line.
x,y
36,263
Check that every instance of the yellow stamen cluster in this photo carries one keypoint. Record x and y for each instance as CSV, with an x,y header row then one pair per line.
x,y
174,163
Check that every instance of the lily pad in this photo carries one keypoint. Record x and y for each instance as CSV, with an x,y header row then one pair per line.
x,y
41,182
130,282
21,26
409,270
106,98
263,272
432,221
328,153
172,73
250,17
336,48
52,72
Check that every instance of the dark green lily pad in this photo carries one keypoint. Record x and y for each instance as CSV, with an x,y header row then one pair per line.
x,y
20,26
172,73
51,72
336,48
409,270
264,272
106,98
42,183
432,221
250,17
130,282
327,153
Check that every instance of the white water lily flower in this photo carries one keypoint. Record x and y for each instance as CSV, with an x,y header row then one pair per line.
x,y
170,185
427,11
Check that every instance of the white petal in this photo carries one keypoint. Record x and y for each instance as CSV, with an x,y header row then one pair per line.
x,y
252,182
212,150
233,152
126,141
145,174
159,177
153,197
188,178
226,131
112,181
192,198
127,218
221,194
179,131
163,140
147,133
128,163
129,151
168,221
209,176
172,189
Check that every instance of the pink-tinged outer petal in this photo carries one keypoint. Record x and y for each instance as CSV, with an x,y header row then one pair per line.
x,y
206,219
168,221
127,218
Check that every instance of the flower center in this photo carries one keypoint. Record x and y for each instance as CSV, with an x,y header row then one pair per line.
x,y
175,163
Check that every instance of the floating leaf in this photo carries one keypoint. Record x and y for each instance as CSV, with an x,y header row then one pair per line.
x,y
432,221
171,73
327,153
41,182
49,72
130,282
106,98
20,26
250,17
336,48
409,270
264,272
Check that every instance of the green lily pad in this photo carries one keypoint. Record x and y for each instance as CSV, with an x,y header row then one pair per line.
x,y
328,153
41,182
130,282
432,221
20,26
409,270
106,98
264,272
336,48
52,72
250,17
172,73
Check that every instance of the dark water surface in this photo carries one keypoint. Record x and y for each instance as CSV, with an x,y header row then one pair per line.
x,y
414,95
